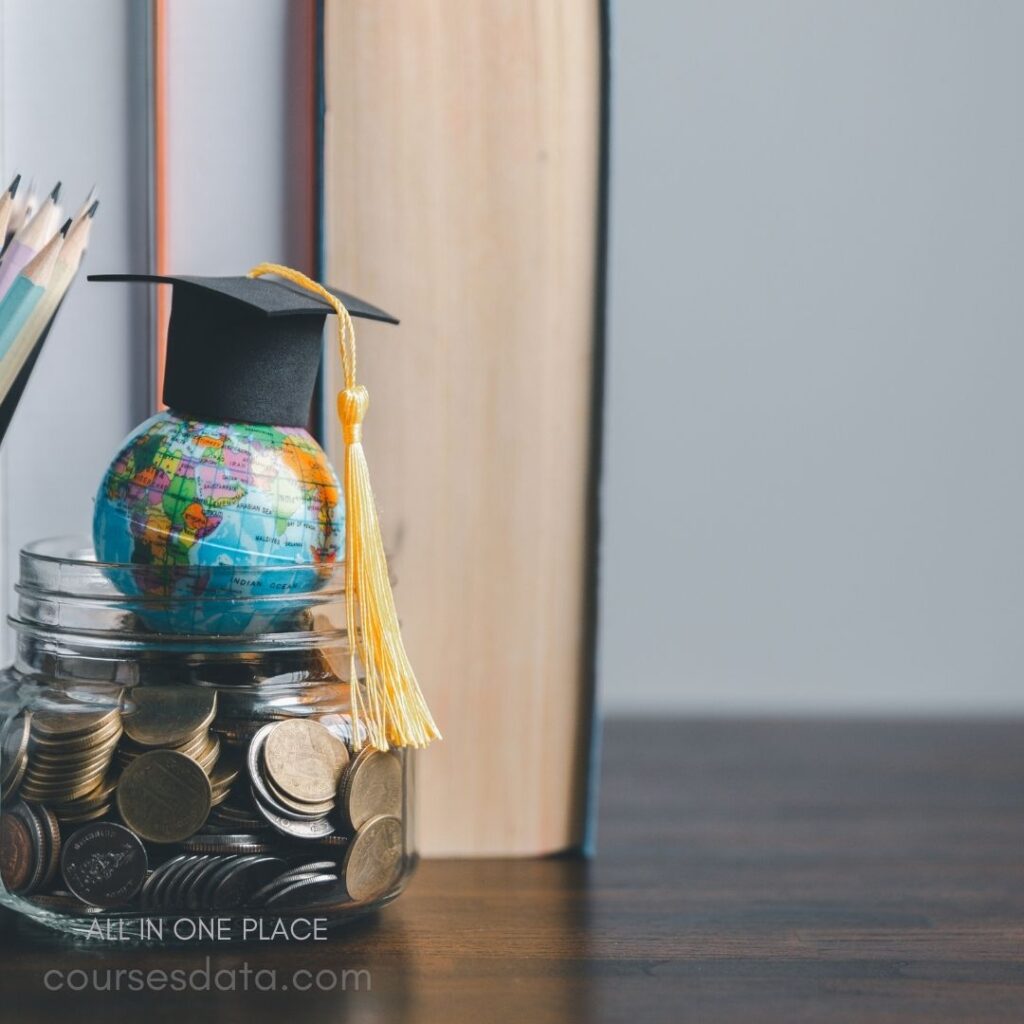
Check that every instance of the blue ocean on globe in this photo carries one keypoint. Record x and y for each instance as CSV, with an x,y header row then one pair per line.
x,y
197,510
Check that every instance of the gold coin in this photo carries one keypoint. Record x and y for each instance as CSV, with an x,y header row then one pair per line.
x,y
164,796
373,859
103,793
207,758
76,721
225,773
219,796
44,762
81,817
371,786
166,716
106,733
39,765
60,794
304,760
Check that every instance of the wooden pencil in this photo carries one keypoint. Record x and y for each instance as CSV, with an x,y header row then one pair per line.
x,y
6,206
29,241
83,210
68,261
24,205
27,291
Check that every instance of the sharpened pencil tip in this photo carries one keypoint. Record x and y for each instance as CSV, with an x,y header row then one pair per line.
x,y
91,212
65,227
13,187
55,194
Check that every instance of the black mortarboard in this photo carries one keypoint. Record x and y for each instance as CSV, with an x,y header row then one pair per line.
x,y
244,349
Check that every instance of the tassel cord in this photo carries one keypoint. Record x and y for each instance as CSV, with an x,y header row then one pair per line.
x,y
396,713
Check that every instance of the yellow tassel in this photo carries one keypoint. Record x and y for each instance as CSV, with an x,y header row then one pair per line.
x,y
396,712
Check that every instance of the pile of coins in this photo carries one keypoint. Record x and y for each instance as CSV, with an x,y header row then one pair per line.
x,y
289,816
295,767
69,757
174,718
229,881
30,845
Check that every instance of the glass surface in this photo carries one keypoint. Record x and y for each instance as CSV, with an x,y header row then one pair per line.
x,y
100,713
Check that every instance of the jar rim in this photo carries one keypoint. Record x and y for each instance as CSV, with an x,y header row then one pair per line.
x,y
81,555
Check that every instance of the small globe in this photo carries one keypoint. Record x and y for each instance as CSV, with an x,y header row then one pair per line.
x,y
192,505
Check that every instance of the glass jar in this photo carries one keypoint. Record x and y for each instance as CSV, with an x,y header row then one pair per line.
x,y
177,759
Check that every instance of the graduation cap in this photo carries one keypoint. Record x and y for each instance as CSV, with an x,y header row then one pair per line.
x,y
245,349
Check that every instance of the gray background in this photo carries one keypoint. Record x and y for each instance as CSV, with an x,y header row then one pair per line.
x,y
814,494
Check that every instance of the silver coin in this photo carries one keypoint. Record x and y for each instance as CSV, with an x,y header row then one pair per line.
x,y
279,882
296,829
104,864
225,865
174,894
317,867
234,887
193,896
152,879
226,844
301,890
171,869
262,795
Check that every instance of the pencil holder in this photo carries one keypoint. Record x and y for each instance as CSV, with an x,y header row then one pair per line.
x,y
175,787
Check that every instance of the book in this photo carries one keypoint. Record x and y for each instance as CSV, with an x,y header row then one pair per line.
x,y
463,157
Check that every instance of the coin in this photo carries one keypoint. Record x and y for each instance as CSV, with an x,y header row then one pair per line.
x,y
304,760
300,808
234,885
371,786
207,758
38,832
165,716
316,867
301,891
316,829
63,791
65,764
334,841
14,752
156,879
51,828
76,743
74,720
174,896
164,796
278,882
104,864
102,793
225,773
374,858
10,790
79,817
226,844
192,895
17,857
161,895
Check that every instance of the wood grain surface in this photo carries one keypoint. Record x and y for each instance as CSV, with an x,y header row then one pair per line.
x,y
762,872
461,175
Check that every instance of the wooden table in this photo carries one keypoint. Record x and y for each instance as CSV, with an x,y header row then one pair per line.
x,y
778,871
